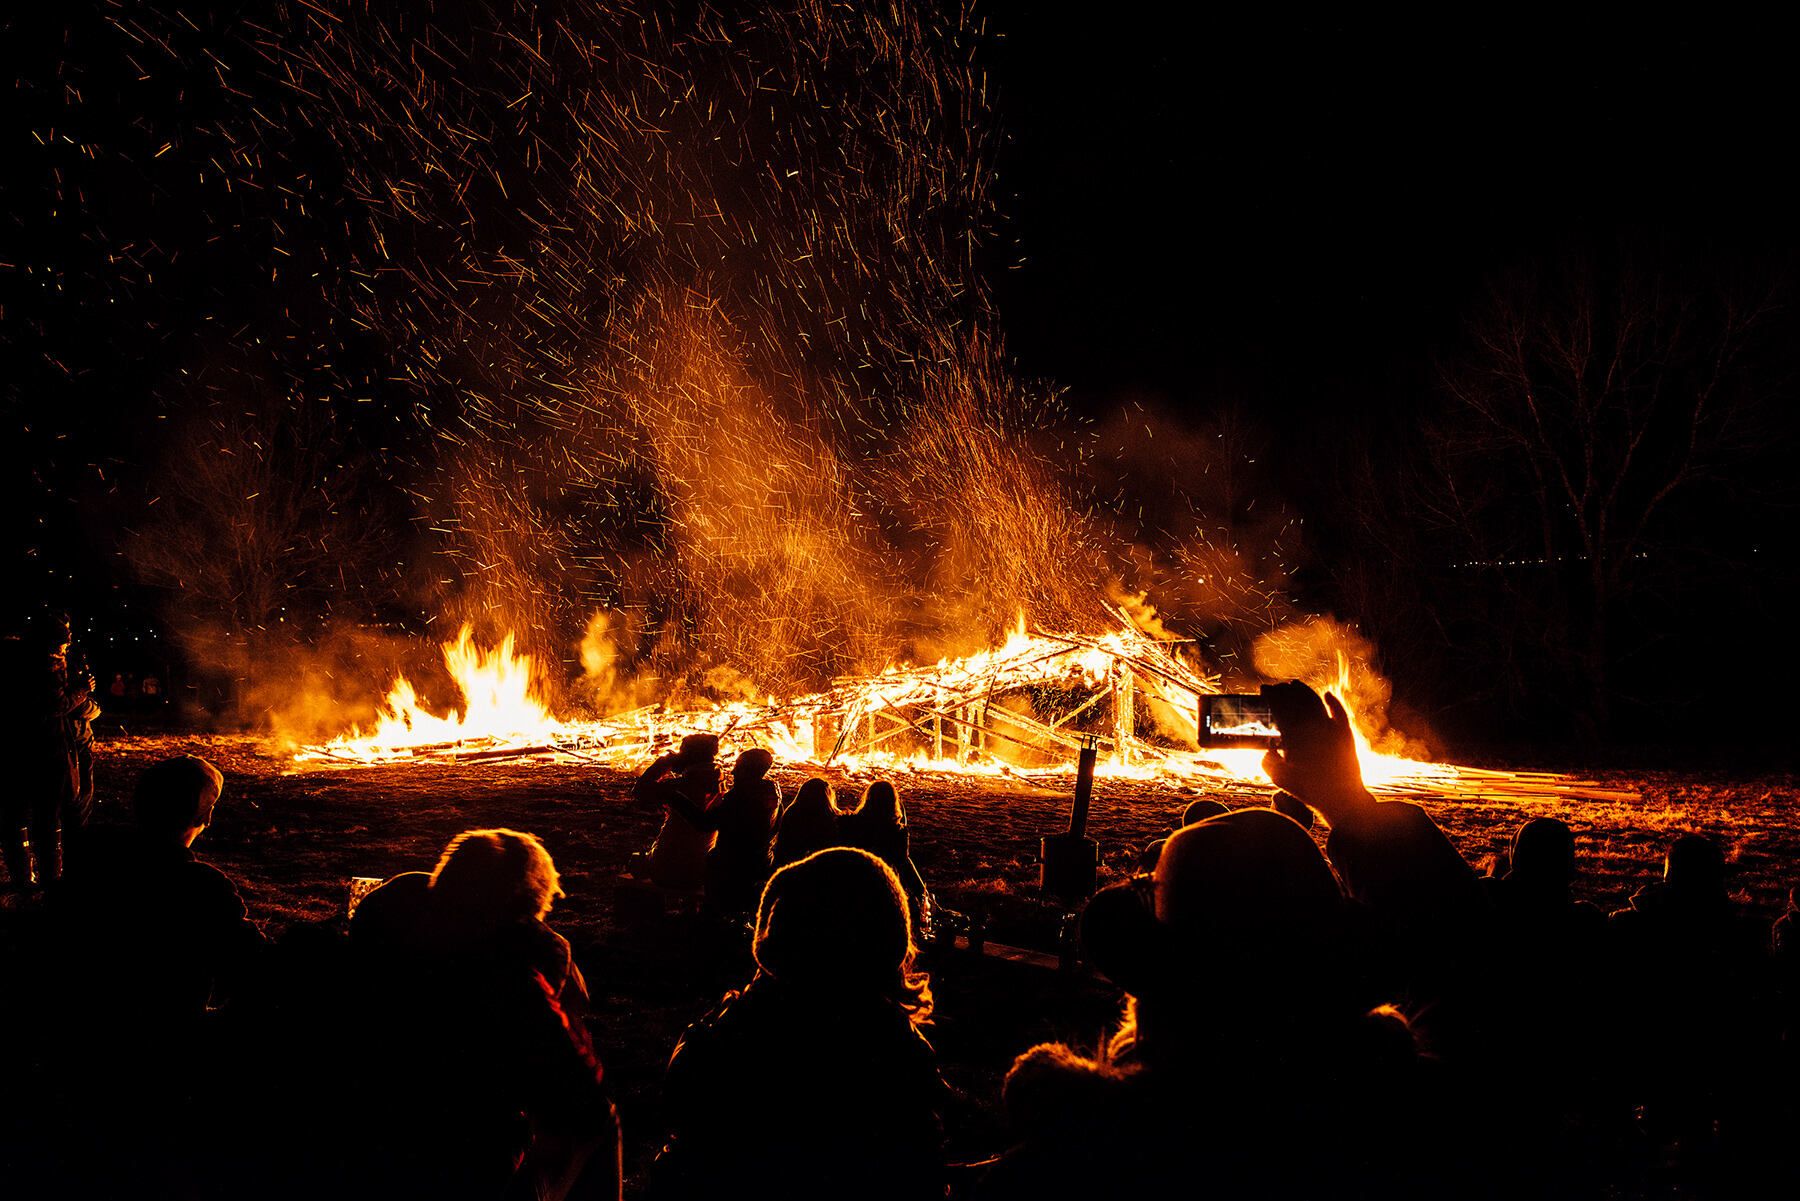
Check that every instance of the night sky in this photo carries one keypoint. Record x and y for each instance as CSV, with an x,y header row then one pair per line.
x,y
1301,210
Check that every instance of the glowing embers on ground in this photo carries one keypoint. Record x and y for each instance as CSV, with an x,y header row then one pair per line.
x,y
1022,708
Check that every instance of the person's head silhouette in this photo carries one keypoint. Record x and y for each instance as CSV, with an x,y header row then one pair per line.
x,y
816,793
1543,854
837,922
175,798
494,877
1200,810
1694,869
752,765
881,802
1242,903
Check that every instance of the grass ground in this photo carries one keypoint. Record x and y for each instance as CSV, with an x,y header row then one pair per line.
x,y
292,839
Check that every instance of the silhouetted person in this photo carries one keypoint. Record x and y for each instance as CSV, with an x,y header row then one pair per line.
x,y
1690,907
455,1031
1536,895
1393,860
1390,855
416,909
690,775
878,825
79,712
1198,811
742,822
813,1081
1784,934
146,938
1784,947
42,781
808,823
1548,1030
145,920
1698,1029
1250,1062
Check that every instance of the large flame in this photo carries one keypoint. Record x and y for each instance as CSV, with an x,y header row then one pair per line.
x,y
502,707
947,716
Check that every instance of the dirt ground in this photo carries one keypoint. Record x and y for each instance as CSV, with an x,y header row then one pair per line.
x,y
292,838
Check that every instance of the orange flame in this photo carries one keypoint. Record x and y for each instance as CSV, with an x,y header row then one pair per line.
x,y
502,705
938,717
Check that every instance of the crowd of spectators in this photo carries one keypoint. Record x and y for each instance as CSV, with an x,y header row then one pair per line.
x,y
1370,1018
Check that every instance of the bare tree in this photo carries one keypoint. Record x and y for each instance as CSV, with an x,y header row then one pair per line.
x,y
1601,418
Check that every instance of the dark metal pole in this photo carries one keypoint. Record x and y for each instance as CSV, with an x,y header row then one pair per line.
x,y
1071,860
1084,786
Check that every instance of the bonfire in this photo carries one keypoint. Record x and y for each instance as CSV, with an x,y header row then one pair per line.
x,y
1023,708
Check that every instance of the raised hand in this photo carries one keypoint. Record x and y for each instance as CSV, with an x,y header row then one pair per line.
x,y
1317,760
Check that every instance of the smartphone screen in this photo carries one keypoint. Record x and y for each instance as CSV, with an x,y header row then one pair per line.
x,y
1237,719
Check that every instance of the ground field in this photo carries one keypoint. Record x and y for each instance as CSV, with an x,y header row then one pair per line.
x,y
291,838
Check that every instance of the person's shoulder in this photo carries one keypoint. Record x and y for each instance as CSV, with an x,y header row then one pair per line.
x,y
715,1028
407,886
544,950
396,900
1052,1086
203,876
1586,914
1384,827
1402,813
207,887
109,845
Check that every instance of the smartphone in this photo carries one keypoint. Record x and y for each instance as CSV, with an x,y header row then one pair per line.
x,y
1237,719
355,889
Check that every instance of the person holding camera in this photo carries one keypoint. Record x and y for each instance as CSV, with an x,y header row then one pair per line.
x,y
1422,897
684,782
1258,1054
742,823
1254,1057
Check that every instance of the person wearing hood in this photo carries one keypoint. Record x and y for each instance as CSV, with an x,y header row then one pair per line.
x,y
878,825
